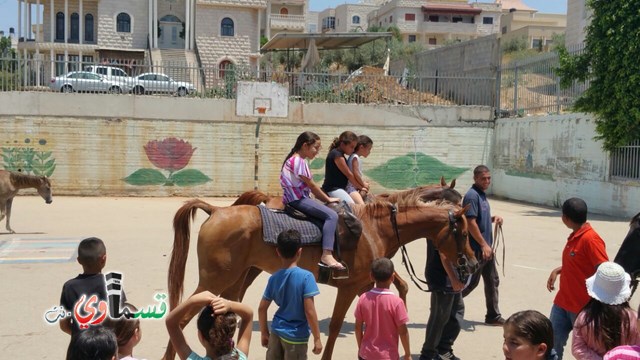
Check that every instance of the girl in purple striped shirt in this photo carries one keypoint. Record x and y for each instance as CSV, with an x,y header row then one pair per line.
x,y
297,185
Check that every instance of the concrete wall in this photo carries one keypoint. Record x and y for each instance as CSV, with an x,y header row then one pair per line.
x,y
546,160
104,145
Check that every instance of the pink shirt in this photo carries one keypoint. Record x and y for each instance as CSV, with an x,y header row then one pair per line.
x,y
625,352
293,188
382,312
586,347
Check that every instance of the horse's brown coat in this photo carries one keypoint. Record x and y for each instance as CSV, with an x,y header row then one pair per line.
x,y
230,244
11,182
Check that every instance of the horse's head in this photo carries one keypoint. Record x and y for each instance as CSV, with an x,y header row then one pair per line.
x,y
453,242
44,189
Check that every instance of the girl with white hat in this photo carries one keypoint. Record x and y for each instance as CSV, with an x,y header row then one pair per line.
x,y
607,320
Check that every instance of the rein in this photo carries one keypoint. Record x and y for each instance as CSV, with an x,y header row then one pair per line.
x,y
406,261
496,243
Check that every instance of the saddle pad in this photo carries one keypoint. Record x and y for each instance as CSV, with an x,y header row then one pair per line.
x,y
276,221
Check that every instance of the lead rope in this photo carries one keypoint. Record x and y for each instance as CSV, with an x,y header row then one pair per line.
x,y
496,243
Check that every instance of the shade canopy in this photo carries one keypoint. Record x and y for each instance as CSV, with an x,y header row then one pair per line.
x,y
329,41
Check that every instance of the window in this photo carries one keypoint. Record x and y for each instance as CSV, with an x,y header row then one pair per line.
x,y
226,27
432,41
391,18
225,67
456,19
88,28
487,20
118,72
412,38
329,23
536,44
409,17
73,64
434,18
75,28
101,70
284,11
123,23
60,26
355,19
504,30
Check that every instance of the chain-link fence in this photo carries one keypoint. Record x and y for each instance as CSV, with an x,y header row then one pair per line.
x,y
532,87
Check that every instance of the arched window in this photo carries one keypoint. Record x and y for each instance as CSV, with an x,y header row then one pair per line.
x,y
75,28
224,66
88,28
284,11
226,27
60,26
123,23
355,19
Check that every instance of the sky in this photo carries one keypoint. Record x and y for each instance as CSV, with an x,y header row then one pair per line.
x,y
9,9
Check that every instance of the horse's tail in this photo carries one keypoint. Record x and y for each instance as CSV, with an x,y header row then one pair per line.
x,y
251,197
180,252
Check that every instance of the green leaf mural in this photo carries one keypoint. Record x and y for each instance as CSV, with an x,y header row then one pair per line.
x,y
29,160
146,177
411,170
189,177
316,163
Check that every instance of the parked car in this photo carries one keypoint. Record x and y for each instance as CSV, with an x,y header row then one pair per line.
x,y
149,83
84,81
112,73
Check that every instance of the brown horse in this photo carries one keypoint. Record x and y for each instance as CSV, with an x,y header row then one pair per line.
x,y
230,243
11,182
424,193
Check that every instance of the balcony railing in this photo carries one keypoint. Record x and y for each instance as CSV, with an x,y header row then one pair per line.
x,y
291,22
449,27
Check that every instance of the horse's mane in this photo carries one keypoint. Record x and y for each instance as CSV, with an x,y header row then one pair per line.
x,y
19,179
382,207
251,197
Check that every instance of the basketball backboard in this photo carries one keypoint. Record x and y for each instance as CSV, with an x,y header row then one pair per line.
x,y
267,99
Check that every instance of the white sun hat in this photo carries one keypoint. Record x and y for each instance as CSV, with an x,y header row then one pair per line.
x,y
610,284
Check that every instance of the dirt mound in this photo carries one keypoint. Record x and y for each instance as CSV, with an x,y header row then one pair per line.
x,y
371,85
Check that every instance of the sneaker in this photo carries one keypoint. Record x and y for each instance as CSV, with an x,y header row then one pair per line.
x,y
448,356
495,322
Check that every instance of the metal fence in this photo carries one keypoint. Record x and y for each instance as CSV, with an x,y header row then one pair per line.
x,y
531,86
625,162
369,86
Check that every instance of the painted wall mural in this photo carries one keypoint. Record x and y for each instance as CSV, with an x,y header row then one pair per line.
x,y
411,170
30,158
171,155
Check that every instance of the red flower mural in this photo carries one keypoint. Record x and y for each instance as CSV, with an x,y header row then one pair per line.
x,y
170,154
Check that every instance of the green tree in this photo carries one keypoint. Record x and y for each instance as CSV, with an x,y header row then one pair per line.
x,y
610,63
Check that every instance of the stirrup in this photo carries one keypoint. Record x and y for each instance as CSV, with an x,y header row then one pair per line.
x,y
325,273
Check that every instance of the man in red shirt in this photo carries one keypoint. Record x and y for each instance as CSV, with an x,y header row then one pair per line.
x,y
584,251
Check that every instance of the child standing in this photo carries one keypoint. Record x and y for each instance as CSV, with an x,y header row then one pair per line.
x,y
95,343
216,326
582,254
292,289
337,173
384,316
127,333
528,335
607,321
92,255
297,184
362,150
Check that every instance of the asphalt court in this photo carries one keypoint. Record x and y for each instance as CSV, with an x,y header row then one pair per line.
x,y
40,257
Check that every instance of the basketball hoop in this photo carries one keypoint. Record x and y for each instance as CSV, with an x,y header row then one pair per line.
x,y
261,110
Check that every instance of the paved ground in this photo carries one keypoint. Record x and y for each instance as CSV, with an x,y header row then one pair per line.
x,y
39,258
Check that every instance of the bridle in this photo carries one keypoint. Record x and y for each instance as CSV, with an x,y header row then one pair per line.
x,y
462,263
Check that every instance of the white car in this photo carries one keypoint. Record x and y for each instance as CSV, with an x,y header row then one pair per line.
x,y
84,81
149,83
112,73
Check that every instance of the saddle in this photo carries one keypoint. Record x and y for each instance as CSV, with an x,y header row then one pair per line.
x,y
349,226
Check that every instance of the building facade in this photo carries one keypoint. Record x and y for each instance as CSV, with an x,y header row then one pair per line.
x,y
436,23
520,21
578,15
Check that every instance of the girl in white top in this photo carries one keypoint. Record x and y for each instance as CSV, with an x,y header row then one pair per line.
x,y
362,150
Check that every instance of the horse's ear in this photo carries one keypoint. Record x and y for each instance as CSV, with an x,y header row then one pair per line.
x,y
462,211
453,184
442,182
